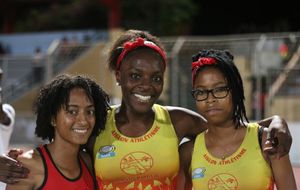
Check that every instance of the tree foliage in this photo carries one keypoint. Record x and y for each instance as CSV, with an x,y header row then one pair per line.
x,y
167,17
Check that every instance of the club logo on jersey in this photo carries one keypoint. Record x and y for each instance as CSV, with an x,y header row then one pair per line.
x,y
198,173
223,181
136,163
106,151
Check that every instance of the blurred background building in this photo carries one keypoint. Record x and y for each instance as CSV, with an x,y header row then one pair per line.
x,y
74,36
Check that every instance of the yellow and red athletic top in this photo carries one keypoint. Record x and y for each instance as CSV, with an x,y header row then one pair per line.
x,y
246,169
148,162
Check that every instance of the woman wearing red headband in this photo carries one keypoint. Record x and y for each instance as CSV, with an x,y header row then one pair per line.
x,y
139,147
229,154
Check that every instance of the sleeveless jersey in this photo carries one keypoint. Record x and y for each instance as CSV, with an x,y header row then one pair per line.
x,y
54,179
246,169
150,161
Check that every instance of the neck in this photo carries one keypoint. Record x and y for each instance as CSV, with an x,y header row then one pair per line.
x,y
124,114
223,141
222,131
133,124
64,154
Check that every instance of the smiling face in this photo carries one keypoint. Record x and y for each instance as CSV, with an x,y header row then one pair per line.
x,y
75,121
141,79
215,110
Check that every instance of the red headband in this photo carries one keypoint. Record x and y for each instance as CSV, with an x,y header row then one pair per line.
x,y
139,42
201,62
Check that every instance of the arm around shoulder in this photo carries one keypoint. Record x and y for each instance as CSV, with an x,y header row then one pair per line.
x,y
187,123
279,135
31,160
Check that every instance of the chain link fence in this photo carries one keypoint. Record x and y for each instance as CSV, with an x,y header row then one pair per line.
x,y
261,58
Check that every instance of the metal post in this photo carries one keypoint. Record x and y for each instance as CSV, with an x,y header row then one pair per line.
x,y
175,71
258,71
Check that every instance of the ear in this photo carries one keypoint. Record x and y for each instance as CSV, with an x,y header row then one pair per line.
x,y
118,77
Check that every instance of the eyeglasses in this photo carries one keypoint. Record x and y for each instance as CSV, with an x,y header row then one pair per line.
x,y
219,92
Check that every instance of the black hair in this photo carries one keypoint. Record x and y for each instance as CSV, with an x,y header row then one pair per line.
x,y
129,35
226,65
55,95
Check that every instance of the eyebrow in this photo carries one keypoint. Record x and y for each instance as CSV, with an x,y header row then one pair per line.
x,y
73,105
214,85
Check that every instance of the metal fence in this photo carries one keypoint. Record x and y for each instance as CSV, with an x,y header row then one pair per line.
x,y
265,57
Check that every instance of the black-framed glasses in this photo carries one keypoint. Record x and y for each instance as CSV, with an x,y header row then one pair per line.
x,y
219,92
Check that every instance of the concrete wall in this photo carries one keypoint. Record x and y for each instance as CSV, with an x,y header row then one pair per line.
x,y
287,107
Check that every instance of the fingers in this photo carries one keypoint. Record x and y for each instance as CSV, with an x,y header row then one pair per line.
x,y
271,145
14,153
274,149
11,171
279,140
8,180
6,160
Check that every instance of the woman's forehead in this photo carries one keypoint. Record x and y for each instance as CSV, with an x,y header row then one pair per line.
x,y
149,60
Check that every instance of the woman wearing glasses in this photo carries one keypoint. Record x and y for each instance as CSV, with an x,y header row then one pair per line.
x,y
229,154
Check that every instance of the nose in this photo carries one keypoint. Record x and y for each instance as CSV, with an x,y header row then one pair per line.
x,y
145,83
81,118
210,97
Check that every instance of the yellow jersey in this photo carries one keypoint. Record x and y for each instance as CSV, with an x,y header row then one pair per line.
x,y
246,169
148,162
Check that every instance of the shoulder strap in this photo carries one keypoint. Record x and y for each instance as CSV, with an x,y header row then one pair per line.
x,y
260,133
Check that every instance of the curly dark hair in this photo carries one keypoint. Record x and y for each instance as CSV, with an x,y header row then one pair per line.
x,y
129,35
226,65
55,95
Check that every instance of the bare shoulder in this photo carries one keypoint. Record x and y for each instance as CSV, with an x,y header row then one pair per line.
x,y
183,113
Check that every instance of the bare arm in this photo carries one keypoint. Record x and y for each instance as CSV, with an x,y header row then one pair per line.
x,y
283,173
187,123
281,168
184,180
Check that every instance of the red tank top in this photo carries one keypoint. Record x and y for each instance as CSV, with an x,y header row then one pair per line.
x,y
54,179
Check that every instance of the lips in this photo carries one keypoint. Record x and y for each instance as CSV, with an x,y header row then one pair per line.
x,y
213,111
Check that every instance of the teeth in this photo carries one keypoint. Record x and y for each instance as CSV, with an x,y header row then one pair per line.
x,y
80,130
142,98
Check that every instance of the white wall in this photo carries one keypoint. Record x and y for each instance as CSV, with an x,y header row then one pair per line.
x,y
295,150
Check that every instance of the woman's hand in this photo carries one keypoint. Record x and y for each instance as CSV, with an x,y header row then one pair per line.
x,y
11,170
279,139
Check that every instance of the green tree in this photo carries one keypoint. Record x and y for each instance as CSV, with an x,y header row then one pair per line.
x,y
161,17
66,15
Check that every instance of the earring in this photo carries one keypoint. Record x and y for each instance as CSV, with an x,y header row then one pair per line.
x,y
53,123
